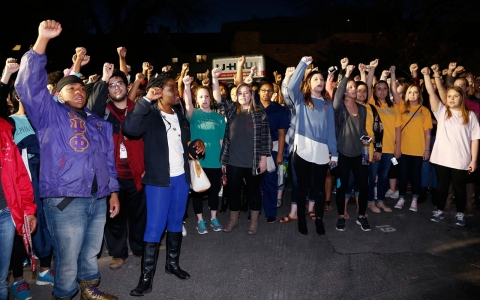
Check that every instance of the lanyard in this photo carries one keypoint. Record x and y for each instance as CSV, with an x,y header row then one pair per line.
x,y
27,241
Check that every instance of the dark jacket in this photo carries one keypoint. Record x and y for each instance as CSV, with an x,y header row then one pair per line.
x,y
97,99
145,121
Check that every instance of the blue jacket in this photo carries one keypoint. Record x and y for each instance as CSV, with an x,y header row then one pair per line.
x,y
72,149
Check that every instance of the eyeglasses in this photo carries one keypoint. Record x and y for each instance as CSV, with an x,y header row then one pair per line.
x,y
118,83
266,91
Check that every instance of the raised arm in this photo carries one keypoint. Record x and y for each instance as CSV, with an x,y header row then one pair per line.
x,y
240,64
363,74
329,81
97,99
135,123
297,77
10,67
393,87
371,72
122,56
80,59
187,96
132,94
451,68
31,83
434,101
215,84
183,72
339,94
286,97
438,81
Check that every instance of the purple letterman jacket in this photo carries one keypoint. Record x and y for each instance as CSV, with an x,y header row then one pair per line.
x,y
72,150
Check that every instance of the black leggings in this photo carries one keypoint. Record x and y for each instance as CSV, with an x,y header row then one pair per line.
x,y
235,176
305,170
458,178
360,173
214,175
18,257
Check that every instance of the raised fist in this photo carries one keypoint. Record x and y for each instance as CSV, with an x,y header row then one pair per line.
x,y
350,69
452,66
107,70
361,67
187,80
374,63
216,72
11,66
307,59
166,68
241,60
344,62
413,68
445,72
435,68
122,52
139,77
154,93
185,67
253,70
248,80
385,73
289,72
459,69
206,82
146,66
392,70
49,29
93,78
426,71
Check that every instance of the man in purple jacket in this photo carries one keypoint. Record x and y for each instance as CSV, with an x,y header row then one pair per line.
x,y
77,170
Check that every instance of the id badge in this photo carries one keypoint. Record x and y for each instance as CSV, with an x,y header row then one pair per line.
x,y
123,151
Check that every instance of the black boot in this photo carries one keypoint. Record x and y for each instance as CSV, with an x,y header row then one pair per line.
x,y
174,244
320,226
149,264
434,196
423,195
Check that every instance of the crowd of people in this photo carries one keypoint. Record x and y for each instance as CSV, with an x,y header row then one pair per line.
x,y
108,156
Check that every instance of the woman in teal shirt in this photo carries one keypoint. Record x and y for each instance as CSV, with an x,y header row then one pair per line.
x,y
209,126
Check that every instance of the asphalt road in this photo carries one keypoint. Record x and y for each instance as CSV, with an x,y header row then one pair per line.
x,y
405,256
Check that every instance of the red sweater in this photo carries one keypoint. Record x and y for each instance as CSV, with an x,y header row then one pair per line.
x,y
15,180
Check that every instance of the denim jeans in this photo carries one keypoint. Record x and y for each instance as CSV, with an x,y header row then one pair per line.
x,y
381,168
77,234
429,174
7,233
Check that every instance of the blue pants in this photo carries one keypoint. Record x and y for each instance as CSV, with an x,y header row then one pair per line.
x,y
77,234
7,233
429,173
166,206
269,188
381,168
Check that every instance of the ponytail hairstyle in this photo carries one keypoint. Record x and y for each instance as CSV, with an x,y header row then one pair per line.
x,y
387,98
463,107
407,102
307,90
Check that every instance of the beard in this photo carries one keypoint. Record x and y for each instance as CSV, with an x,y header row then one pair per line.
x,y
118,98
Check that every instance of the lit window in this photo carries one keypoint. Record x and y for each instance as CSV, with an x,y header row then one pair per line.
x,y
201,76
201,58
17,47
174,59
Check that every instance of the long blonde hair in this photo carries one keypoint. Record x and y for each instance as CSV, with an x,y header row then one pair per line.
x,y
252,100
407,102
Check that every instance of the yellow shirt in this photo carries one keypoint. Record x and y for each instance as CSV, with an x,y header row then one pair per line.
x,y
413,135
389,117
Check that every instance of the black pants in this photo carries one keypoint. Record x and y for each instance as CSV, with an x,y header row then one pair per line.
x,y
130,222
410,168
18,257
305,170
235,176
458,178
214,175
360,173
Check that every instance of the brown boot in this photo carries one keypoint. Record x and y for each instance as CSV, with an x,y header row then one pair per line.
x,y
233,221
253,222
91,292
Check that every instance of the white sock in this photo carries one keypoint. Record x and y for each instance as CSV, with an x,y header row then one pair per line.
x,y
43,273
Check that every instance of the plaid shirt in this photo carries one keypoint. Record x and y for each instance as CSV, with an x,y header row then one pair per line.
x,y
262,142
290,136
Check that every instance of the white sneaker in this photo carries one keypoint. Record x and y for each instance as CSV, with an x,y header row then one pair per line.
x,y
400,203
184,230
413,206
391,194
